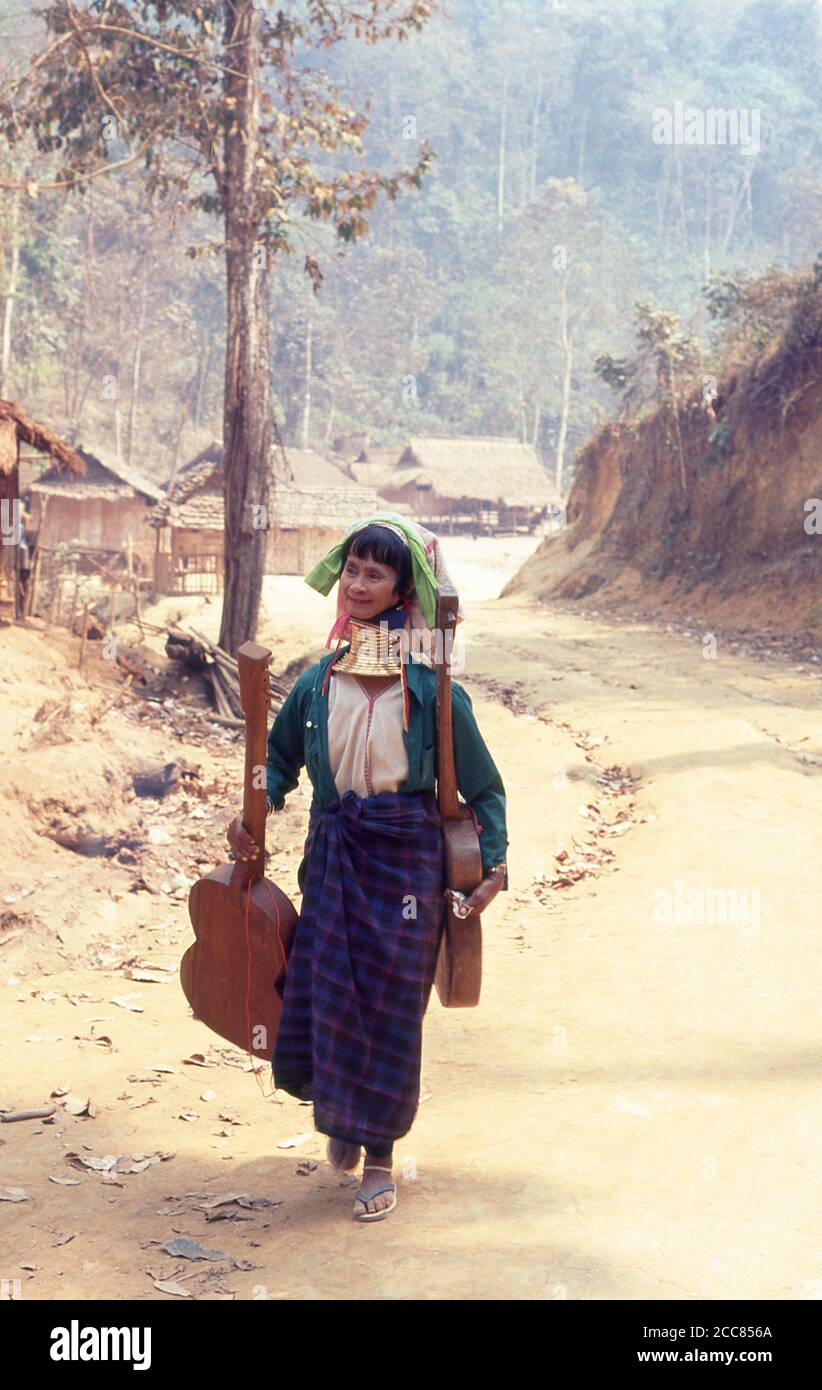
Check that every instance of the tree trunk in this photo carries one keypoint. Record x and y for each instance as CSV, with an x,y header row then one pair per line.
x,y
136,364
501,162
567,346
10,291
118,420
332,408
708,219
741,192
305,430
535,118
582,138
680,190
662,192
675,404
175,457
202,375
247,427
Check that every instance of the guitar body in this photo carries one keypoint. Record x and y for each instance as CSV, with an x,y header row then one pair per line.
x,y
233,975
459,965
458,976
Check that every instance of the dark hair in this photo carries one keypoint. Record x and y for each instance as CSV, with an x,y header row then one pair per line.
x,y
375,542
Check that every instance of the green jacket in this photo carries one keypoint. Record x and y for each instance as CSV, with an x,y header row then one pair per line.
x,y
299,738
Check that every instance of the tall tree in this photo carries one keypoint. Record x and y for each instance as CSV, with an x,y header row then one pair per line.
x,y
228,110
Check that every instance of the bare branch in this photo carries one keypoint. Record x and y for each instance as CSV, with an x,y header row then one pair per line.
x,y
92,174
72,18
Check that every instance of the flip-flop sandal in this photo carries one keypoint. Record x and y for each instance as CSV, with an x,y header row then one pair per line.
x,y
375,1215
337,1166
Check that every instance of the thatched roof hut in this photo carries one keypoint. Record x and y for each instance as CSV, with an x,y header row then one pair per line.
x,y
465,480
16,428
104,512
194,498
108,481
312,502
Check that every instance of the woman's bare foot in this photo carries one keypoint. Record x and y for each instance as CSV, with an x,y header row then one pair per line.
x,y
345,1157
372,1201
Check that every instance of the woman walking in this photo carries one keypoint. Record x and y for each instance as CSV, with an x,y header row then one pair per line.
x,y
362,723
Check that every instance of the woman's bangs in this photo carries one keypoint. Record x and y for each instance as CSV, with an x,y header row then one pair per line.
x,y
377,543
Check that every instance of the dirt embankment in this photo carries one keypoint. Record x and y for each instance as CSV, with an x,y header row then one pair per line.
x,y
712,519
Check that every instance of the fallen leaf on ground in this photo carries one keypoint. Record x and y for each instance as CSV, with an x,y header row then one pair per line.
x,y
125,1002
66,1182
140,1162
96,1165
13,1194
110,1163
169,1286
191,1250
241,1198
294,1142
74,1105
307,1166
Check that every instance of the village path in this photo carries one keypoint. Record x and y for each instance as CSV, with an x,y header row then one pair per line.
x,y
633,1112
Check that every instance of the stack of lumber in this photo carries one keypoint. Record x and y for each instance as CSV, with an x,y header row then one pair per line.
x,y
219,669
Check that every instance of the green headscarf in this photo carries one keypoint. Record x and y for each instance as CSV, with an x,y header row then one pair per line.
x,y
327,570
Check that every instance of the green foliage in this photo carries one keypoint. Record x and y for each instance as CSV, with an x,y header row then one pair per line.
x,y
447,288
665,362
751,312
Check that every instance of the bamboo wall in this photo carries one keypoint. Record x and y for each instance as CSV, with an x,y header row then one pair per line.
x,y
96,523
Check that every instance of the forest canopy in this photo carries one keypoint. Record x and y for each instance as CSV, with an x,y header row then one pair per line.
x,y
482,301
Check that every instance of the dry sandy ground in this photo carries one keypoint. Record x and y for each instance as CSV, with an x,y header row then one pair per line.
x,y
632,1112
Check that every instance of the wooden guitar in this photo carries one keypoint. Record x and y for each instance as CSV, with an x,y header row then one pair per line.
x,y
459,965
233,974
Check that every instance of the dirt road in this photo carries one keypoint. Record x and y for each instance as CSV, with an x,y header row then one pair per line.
x,y
634,1110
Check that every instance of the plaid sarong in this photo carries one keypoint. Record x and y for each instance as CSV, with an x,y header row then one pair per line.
x,y
363,963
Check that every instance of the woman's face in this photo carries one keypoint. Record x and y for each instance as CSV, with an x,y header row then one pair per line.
x,y
368,587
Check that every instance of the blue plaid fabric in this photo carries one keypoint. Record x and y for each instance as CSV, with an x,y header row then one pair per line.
x,y
363,963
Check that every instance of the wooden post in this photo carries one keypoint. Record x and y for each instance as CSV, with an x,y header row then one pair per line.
x,y
31,590
55,596
84,637
74,593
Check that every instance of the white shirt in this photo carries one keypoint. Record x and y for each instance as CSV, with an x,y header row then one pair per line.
x,y
366,749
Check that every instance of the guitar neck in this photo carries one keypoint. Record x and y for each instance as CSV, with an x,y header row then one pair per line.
x,y
252,664
446,622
